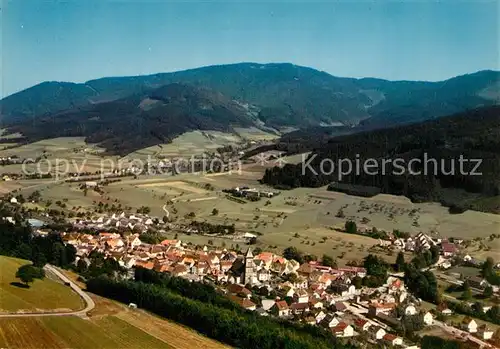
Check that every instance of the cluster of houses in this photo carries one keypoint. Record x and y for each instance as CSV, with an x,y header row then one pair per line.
x,y
308,292
134,222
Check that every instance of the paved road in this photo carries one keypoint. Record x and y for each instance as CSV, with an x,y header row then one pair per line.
x,y
89,303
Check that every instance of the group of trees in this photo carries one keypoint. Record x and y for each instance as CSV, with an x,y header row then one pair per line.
x,y
476,310
489,273
144,210
376,270
209,228
426,258
421,283
200,308
433,342
98,264
17,240
293,253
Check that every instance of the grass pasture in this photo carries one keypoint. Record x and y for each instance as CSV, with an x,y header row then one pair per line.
x,y
42,295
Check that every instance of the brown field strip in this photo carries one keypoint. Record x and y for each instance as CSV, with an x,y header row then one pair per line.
x,y
175,335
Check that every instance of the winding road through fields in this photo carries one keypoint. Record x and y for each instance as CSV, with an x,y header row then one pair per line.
x,y
89,303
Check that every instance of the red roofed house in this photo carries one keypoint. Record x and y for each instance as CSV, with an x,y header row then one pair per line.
x,y
239,290
146,265
362,324
342,330
448,249
174,243
392,339
243,302
180,270
280,308
299,308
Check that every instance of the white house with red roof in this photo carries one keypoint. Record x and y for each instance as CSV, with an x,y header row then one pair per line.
x,y
448,249
342,329
392,339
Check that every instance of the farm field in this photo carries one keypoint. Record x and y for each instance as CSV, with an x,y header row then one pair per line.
x,y
110,326
298,211
42,295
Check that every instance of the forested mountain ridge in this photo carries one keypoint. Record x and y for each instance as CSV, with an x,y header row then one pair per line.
x,y
141,120
285,94
473,135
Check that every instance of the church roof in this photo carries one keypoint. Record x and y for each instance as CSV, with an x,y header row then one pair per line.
x,y
249,253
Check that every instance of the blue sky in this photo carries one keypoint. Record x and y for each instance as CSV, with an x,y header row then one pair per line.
x,y
81,40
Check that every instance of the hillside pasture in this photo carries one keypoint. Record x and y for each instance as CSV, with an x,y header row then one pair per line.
x,y
110,325
48,294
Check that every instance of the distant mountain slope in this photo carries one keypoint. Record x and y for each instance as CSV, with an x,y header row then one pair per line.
x,y
408,102
286,94
471,135
141,120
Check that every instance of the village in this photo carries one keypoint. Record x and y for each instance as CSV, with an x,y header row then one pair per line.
x,y
271,285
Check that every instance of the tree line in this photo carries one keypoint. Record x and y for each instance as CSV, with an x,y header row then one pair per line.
x,y
235,327
17,240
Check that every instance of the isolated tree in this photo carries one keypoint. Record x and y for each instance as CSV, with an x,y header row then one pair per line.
x,y
215,212
350,227
81,266
434,254
293,253
488,292
488,267
357,282
329,261
28,273
375,266
467,293
477,307
310,258
400,261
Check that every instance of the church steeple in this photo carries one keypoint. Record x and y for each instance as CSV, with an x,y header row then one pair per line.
x,y
249,275
249,253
